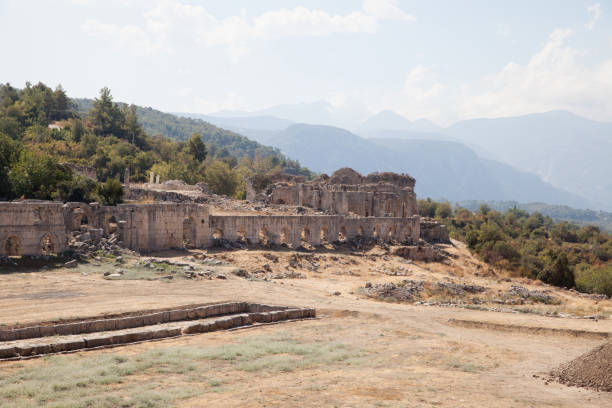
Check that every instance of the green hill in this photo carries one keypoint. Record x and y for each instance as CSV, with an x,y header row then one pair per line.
x,y
155,122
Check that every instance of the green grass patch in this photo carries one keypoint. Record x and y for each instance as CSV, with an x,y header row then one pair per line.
x,y
160,377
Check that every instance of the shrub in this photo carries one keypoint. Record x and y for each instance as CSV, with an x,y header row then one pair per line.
x,y
594,280
558,272
110,192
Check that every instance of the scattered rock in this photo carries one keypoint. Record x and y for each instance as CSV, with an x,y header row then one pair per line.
x,y
406,290
592,369
71,264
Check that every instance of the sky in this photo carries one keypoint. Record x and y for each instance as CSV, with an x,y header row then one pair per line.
x,y
440,60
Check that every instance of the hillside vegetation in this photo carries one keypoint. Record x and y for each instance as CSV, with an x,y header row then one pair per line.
x,y
36,159
602,219
532,245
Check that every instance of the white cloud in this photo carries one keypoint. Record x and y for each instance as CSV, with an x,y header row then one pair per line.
x,y
386,10
169,23
129,36
594,13
555,78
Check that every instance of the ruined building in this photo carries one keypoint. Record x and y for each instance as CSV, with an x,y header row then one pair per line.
x,y
346,192
346,206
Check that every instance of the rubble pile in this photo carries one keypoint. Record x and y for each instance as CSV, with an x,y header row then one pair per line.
x,y
592,370
93,239
533,295
404,291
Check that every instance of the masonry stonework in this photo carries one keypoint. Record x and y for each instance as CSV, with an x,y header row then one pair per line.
x,y
380,206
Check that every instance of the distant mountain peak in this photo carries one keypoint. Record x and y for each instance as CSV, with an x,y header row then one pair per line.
x,y
390,120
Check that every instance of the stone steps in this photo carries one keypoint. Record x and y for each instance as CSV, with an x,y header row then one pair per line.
x,y
113,332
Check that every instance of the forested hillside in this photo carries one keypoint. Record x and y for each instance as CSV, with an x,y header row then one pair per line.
x,y
43,136
532,245
155,123
558,213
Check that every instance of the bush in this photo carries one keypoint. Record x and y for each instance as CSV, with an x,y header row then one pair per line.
x,y
594,280
78,189
110,192
558,272
220,178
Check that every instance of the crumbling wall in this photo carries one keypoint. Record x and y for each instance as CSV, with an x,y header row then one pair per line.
x,y
32,228
39,228
311,229
434,232
346,192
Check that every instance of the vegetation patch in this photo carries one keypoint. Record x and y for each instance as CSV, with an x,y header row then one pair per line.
x,y
532,245
160,377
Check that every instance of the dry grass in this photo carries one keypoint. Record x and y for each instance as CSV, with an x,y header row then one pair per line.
x,y
160,377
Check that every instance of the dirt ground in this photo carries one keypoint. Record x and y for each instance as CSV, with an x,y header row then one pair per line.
x,y
407,355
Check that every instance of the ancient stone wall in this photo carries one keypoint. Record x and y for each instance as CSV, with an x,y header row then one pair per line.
x,y
345,193
32,227
38,228
312,229
433,231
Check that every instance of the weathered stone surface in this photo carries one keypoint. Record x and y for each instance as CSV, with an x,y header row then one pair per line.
x,y
380,206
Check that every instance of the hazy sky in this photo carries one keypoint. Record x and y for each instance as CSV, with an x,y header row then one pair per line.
x,y
441,60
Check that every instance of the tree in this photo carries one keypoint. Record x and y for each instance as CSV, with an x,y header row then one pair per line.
x,y
9,153
105,115
77,130
196,147
220,178
37,175
110,192
558,271
444,210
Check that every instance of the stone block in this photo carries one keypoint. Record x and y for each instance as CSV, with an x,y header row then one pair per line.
x,y
68,345
7,335
98,341
70,328
39,349
27,333
294,314
178,315
201,312
174,332
246,319
24,350
153,318
159,334
46,331
128,322
8,352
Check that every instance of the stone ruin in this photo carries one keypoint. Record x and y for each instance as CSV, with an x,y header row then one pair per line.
x,y
380,206
346,192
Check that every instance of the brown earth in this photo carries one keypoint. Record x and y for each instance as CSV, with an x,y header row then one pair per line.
x,y
406,354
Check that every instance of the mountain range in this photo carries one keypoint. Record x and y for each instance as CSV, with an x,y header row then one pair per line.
x,y
553,157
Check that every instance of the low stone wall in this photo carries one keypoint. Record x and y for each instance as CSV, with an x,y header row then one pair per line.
x,y
44,339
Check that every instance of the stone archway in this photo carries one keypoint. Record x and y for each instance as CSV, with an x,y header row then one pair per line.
x,y
189,233
48,244
218,234
324,235
111,225
305,236
12,246
284,236
264,236
342,234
